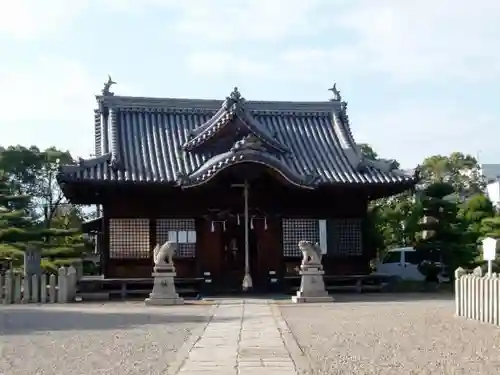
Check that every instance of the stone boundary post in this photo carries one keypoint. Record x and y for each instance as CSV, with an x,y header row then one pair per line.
x,y
35,288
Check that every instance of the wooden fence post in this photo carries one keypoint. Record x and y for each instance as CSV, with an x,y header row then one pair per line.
x,y
477,296
459,292
496,300
487,298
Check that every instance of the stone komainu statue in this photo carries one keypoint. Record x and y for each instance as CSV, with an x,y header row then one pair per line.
x,y
311,253
163,255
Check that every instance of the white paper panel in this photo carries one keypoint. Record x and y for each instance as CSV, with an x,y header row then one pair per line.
x,y
182,236
191,236
172,235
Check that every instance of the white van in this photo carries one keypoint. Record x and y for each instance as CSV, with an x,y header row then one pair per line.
x,y
403,262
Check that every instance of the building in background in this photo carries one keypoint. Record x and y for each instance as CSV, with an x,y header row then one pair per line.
x,y
491,174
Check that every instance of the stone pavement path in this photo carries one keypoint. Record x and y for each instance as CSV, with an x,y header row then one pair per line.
x,y
241,339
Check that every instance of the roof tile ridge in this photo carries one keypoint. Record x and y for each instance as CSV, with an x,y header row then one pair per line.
x,y
86,163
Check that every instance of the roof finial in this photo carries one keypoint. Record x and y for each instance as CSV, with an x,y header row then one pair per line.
x,y
235,95
107,86
336,92
234,98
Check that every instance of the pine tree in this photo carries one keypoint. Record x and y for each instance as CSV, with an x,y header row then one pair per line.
x,y
65,244
16,227
448,239
18,231
490,227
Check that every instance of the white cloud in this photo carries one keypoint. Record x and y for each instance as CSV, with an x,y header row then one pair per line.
x,y
410,133
243,20
50,105
225,21
292,40
55,90
50,101
32,19
408,41
221,63
426,39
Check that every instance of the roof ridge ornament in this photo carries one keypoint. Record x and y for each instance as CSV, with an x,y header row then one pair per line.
x,y
234,98
343,111
107,85
248,142
336,93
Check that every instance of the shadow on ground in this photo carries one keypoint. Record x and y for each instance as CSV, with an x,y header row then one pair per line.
x,y
391,297
380,298
345,297
31,319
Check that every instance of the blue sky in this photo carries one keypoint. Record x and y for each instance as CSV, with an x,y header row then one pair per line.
x,y
421,77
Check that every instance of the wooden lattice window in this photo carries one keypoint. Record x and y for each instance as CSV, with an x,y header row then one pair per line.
x,y
129,238
346,238
295,230
182,231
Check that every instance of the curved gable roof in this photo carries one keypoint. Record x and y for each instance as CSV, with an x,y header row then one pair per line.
x,y
148,135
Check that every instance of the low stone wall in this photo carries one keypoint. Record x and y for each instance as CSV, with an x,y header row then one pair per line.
x,y
60,288
477,295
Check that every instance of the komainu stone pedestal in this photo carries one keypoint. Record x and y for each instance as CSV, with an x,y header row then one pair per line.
x,y
164,292
312,285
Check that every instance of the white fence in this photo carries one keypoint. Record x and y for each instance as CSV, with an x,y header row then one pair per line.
x,y
60,288
477,296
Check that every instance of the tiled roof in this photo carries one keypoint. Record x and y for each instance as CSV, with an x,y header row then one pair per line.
x,y
187,142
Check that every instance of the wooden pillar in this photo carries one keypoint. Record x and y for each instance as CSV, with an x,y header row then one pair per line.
x,y
152,237
105,245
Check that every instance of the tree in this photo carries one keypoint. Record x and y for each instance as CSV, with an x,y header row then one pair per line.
x,y
367,151
41,218
448,239
390,221
474,211
16,228
461,171
490,227
33,172
69,246
397,220
374,232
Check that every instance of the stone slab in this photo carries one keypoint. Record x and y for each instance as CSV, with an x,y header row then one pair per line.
x,y
163,301
164,274
241,340
266,371
298,299
219,370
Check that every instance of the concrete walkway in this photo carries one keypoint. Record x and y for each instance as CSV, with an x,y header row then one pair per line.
x,y
241,339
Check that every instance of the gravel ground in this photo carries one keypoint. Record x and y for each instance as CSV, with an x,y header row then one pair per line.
x,y
112,338
384,334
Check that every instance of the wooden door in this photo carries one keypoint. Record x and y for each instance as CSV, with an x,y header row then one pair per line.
x,y
208,249
269,251
233,255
